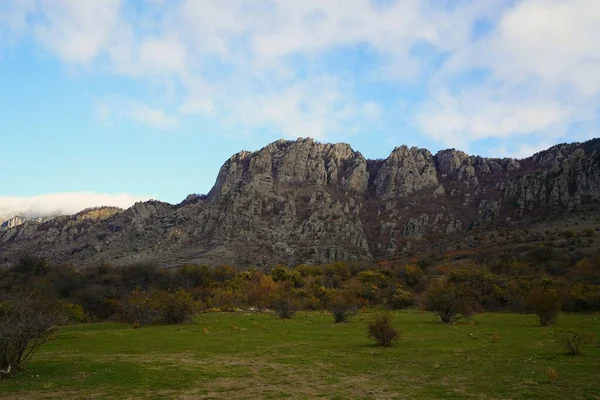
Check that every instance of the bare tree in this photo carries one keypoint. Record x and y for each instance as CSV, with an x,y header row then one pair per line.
x,y
25,324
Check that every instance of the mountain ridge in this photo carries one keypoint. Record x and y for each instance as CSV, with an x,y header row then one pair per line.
x,y
306,201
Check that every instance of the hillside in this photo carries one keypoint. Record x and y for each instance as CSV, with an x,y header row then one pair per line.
x,y
303,201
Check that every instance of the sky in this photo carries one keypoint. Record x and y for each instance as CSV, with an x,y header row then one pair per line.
x,y
115,101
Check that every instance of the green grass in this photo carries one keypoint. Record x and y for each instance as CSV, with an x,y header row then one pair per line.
x,y
238,355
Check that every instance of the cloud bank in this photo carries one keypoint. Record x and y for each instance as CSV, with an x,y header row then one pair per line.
x,y
520,73
62,203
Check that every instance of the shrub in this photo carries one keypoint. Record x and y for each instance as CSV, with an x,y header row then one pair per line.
x,y
552,374
284,308
573,341
401,298
281,273
342,305
284,304
177,308
545,301
73,313
450,301
97,301
25,325
138,308
158,306
381,329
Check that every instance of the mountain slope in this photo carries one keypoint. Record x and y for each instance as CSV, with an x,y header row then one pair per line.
x,y
304,201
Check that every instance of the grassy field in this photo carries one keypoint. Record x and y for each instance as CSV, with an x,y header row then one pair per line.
x,y
239,355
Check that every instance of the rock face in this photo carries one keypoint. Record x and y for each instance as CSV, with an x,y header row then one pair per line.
x,y
12,222
308,202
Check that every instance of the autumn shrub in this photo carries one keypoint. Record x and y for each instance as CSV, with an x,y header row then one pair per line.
x,y
545,300
342,305
99,301
71,313
382,330
290,276
176,307
284,304
139,307
25,325
450,301
197,275
401,298
158,306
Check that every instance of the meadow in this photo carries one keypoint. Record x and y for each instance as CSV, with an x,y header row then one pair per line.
x,y
257,355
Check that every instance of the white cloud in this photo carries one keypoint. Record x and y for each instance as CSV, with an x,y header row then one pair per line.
x,y
318,107
152,117
258,63
162,56
62,203
522,150
197,105
537,71
79,30
113,109
13,18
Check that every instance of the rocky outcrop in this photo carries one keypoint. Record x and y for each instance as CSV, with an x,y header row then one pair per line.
x,y
404,172
13,222
308,202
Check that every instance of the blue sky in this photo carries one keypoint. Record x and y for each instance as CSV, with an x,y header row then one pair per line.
x,y
113,101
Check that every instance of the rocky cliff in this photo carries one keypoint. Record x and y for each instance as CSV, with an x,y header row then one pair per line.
x,y
304,201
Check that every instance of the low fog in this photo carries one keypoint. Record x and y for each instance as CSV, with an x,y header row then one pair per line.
x,y
62,203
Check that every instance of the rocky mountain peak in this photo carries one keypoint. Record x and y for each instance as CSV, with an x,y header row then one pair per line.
x,y
303,201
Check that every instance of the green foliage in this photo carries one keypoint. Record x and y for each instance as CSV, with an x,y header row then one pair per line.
x,y
382,330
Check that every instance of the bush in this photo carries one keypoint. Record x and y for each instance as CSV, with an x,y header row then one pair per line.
x,y
573,341
284,305
138,308
545,301
450,301
401,298
97,300
342,305
158,306
381,329
73,313
177,308
25,325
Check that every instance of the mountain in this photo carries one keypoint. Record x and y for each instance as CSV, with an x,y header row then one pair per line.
x,y
308,202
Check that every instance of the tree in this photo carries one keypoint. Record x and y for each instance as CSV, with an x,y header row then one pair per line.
x,y
25,325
